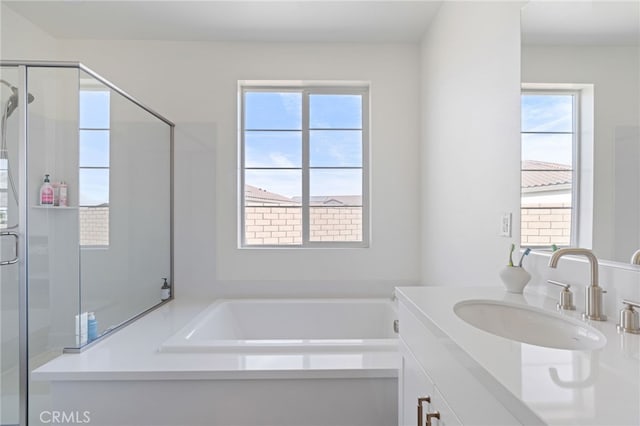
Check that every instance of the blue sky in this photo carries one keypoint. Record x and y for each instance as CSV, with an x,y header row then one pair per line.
x,y
274,139
94,147
335,142
545,113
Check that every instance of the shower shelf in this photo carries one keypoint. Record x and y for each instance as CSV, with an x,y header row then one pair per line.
x,y
53,208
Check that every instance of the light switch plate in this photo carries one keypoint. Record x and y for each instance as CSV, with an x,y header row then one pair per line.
x,y
505,225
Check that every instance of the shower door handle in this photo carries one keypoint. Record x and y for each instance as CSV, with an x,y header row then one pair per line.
x,y
17,238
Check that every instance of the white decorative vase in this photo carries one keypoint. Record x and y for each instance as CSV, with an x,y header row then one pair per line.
x,y
515,278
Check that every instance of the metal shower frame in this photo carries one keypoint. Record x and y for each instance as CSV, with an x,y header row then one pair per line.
x,y
23,293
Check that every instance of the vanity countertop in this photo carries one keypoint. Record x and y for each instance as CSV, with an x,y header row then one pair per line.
x,y
561,387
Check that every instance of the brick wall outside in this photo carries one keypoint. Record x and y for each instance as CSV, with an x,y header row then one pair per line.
x,y
550,224
335,224
94,226
273,225
282,225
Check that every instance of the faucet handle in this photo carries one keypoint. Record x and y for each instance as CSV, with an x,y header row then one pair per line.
x,y
559,284
566,296
629,318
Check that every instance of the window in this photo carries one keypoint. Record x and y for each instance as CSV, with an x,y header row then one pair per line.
x,y
304,170
548,170
94,167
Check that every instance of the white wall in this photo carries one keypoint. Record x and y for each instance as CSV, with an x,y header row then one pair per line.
x,y
23,40
615,73
470,140
195,85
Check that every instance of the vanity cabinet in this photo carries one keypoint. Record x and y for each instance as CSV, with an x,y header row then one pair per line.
x,y
432,367
419,398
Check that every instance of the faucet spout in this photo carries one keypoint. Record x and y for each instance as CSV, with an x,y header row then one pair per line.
x,y
635,259
593,298
593,260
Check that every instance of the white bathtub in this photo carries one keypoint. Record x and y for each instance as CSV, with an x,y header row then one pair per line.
x,y
289,325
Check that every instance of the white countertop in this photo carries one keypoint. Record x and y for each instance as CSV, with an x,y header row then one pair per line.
x,y
132,354
600,387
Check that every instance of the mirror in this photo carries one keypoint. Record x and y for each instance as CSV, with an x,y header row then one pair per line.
x,y
594,46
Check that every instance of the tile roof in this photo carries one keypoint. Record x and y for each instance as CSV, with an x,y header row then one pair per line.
x,y
259,195
537,174
254,194
333,200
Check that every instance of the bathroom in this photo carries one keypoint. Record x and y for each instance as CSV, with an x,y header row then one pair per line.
x,y
431,222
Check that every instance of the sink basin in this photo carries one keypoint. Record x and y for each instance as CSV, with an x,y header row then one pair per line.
x,y
530,325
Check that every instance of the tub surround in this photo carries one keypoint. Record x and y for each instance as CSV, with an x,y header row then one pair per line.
x,y
133,353
126,379
532,383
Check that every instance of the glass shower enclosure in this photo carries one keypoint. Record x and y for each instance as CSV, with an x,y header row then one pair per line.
x,y
85,219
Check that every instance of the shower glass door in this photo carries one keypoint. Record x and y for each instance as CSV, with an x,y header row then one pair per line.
x,y
9,267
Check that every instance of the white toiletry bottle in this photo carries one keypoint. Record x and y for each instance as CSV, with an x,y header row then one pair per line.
x,y
46,192
81,329
165,290
62,195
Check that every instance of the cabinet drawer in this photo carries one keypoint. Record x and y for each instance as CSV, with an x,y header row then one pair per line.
x,y
413,383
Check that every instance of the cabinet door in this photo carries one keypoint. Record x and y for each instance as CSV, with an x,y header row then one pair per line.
x,y
447,417
414,384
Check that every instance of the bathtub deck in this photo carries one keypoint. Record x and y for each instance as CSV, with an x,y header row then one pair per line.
x,y
133,354
126,380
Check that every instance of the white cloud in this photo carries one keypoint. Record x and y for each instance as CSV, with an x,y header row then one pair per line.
x,y
279,159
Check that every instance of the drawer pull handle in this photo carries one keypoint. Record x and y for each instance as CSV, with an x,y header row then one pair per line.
x,y
15,258
434,415
426,399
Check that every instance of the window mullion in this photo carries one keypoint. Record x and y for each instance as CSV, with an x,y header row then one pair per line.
x,y
575,174
305,169
365,168
242,199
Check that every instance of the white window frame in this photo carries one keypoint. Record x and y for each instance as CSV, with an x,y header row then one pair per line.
x,y
576,154
361,89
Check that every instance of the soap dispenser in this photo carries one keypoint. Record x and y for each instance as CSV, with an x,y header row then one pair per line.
x,y
165,290
629,318
46,192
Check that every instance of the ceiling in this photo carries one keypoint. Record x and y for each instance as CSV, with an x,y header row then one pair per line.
x,y
603,22
543,21
239,20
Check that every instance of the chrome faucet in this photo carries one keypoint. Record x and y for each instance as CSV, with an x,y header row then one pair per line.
x,y
635,258
593,297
